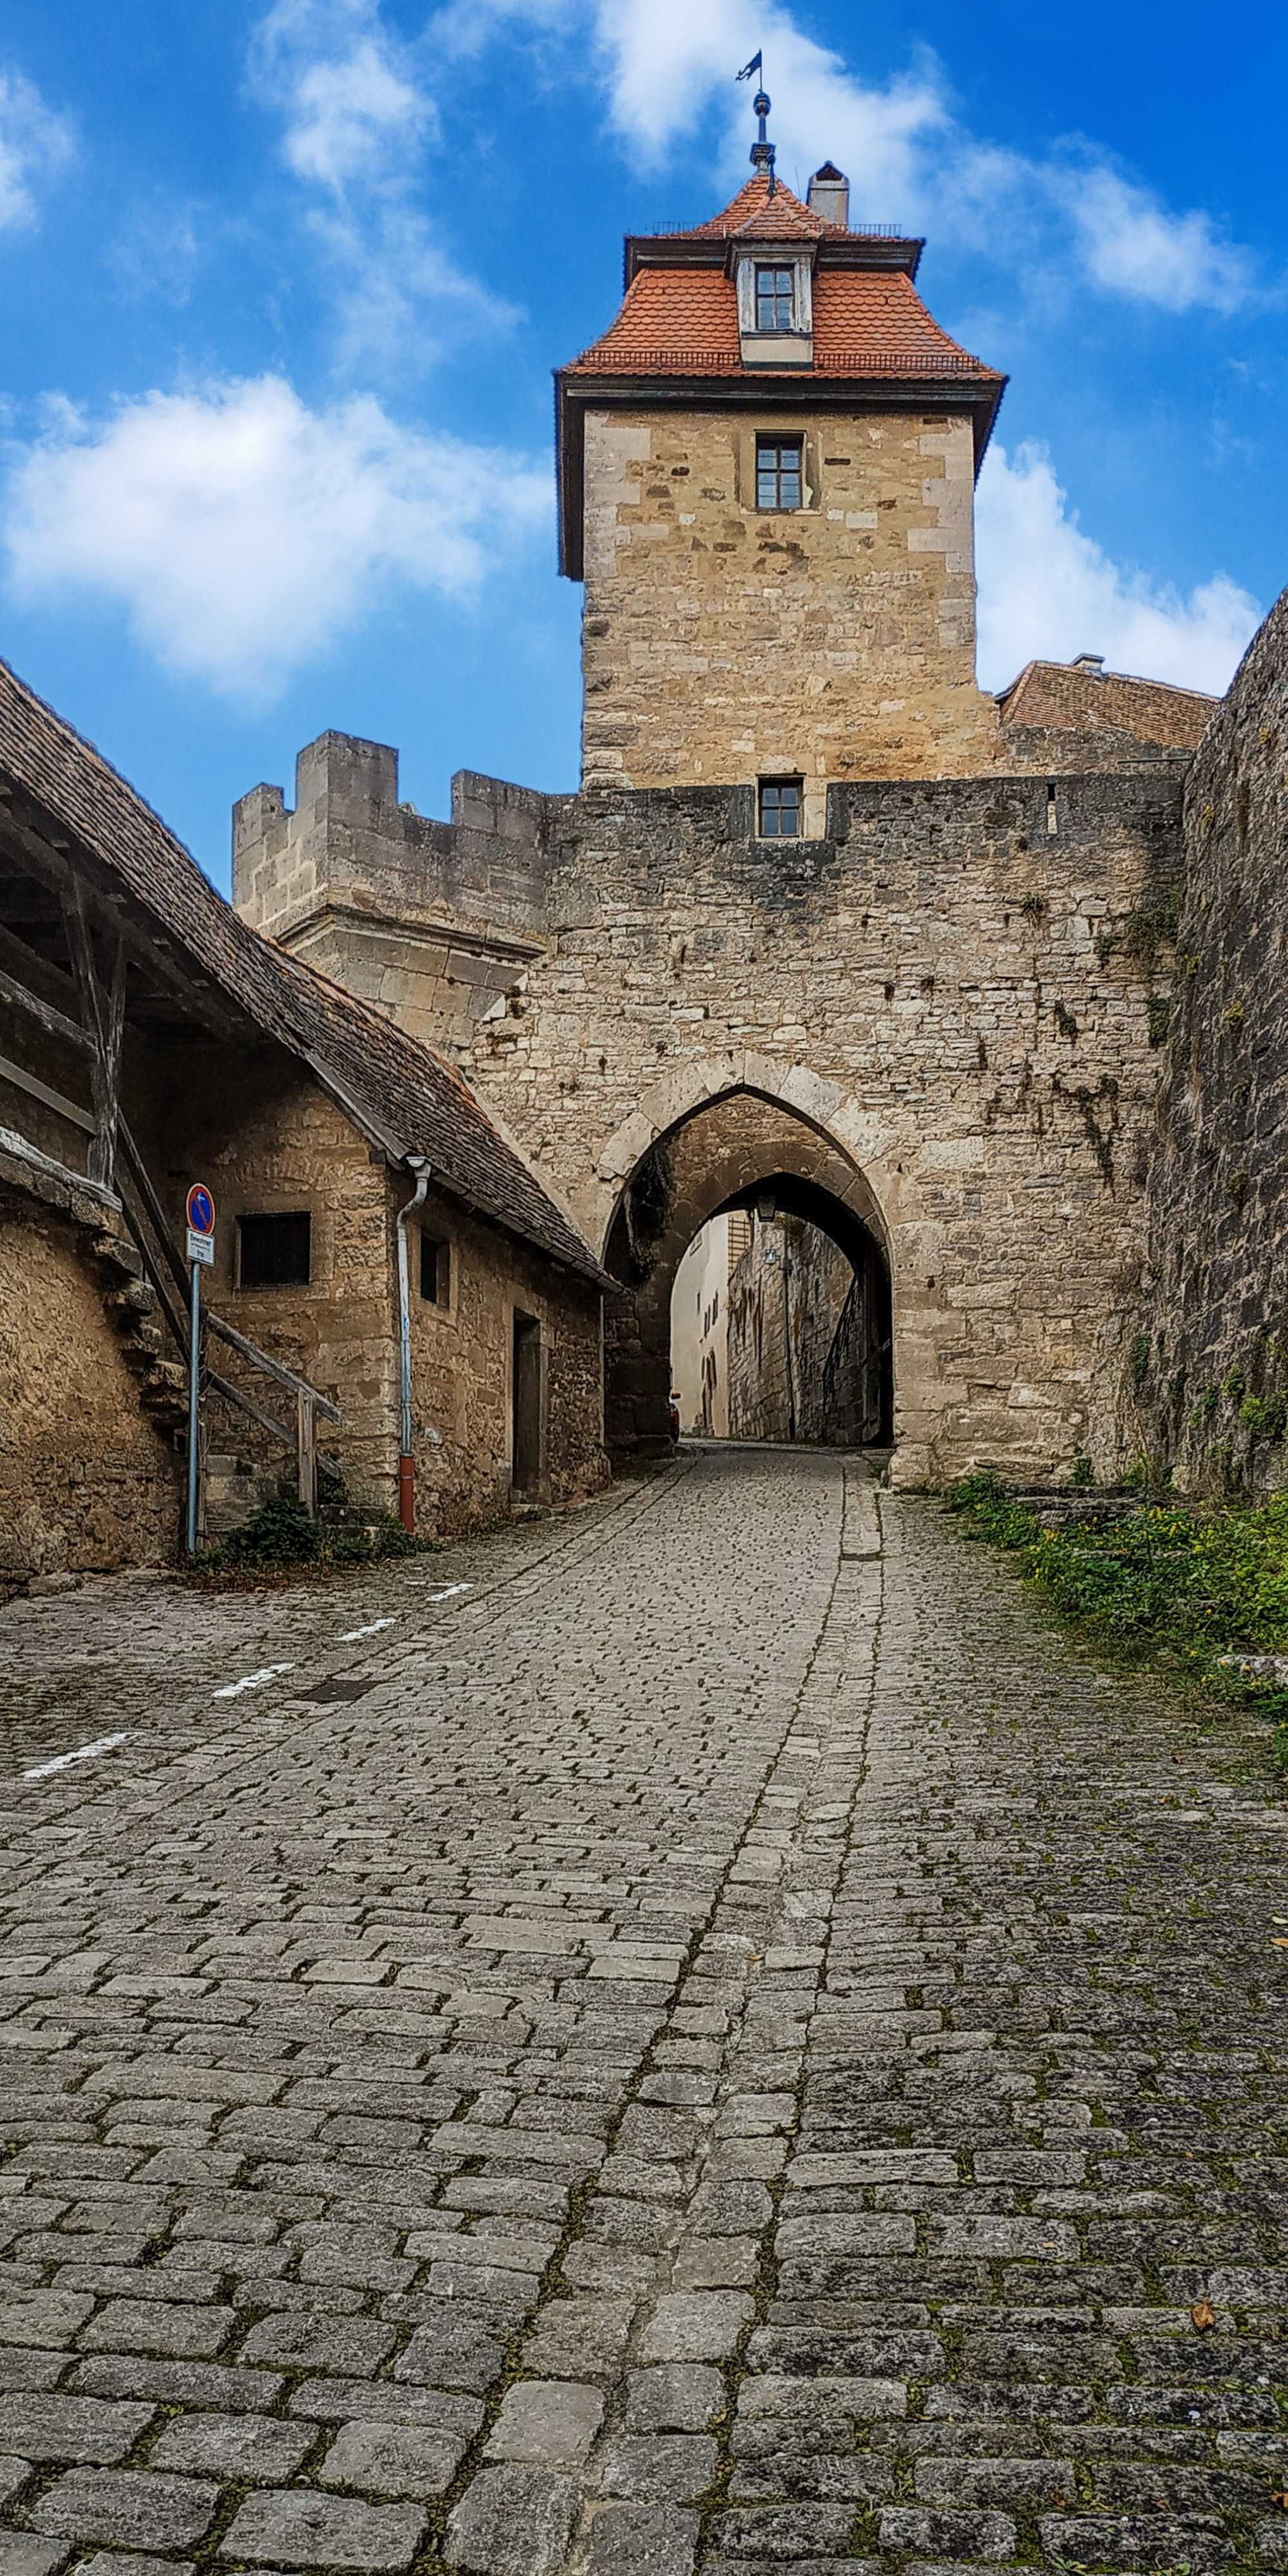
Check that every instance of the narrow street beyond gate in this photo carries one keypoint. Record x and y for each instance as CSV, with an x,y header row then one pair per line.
x,y
695,2034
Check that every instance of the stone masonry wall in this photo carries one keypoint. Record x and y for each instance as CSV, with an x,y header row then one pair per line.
x,y
268,1140
819,1280
722,642
958,987
1207,1383
87,1482
462,1361
427,920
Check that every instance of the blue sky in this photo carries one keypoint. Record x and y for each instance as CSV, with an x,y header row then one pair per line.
x,y
284,285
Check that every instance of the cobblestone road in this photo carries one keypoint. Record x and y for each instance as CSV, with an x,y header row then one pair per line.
x,y
724,2047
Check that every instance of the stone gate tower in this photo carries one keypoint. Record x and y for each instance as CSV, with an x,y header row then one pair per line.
x,y
767,469
826,926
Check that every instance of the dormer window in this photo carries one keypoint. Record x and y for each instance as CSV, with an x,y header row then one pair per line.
x,y
775,299
775,304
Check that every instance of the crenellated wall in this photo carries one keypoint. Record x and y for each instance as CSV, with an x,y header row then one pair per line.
x,y
430,921
958,987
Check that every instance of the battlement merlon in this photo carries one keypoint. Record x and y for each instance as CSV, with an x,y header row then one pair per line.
x,y
349,840
429,920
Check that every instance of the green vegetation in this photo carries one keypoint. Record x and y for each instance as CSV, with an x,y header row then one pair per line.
x,y
1173,1586
280,1538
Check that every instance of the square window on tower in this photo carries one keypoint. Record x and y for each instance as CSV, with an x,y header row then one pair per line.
x,y
778,474
775,299
780,809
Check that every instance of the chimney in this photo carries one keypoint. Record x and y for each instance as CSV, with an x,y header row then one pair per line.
x,y
1092,663
829,195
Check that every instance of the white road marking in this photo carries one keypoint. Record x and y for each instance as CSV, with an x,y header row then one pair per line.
x,y
447,1595
350,1636
83,1753
253,1681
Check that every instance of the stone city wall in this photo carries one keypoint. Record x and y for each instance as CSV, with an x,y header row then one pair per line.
x,y
1207,1379
960,986
958,989
429,921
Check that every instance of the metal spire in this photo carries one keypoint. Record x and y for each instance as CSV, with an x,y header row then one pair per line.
x,y
762,150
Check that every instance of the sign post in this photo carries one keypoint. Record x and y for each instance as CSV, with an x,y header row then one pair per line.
x,y
201,1253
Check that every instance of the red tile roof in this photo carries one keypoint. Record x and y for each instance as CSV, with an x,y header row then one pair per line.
x,y
676,338
684,321
756,216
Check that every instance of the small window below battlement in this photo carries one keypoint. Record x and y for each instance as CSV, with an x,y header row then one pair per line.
x,y
779,478
780,809
275,1251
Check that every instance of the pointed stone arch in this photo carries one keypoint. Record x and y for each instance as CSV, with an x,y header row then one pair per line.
x,y
702,1142
864,1141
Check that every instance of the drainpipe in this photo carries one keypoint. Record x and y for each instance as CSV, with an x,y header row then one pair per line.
x,y
406,1471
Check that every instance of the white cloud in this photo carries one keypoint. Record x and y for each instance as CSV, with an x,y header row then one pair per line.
x,y
353,110
34,145
355,121
1046,591
241,532
668,65
1133,246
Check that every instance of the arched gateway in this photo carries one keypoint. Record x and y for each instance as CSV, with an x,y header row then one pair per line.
x,y
823,916
736,1150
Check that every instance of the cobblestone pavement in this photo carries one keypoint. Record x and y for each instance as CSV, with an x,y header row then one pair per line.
x,y
724,2047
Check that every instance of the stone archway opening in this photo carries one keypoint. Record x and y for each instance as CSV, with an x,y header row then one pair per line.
x,y
808,1298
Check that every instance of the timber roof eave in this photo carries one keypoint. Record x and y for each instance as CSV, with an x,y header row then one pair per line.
x,y
576,392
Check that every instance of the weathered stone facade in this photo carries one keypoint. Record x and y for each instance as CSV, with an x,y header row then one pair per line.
x,y
87,1479
804,1359
1208,1374
724,642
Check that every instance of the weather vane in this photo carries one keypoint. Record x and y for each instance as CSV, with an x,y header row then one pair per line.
x,y
762,150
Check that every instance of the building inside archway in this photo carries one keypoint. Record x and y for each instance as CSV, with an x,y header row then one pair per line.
x,y
778,1334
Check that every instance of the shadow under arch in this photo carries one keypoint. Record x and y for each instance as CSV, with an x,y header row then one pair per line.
x,y
731,1151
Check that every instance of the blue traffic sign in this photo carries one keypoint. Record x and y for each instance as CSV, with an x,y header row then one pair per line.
x,y
201,1209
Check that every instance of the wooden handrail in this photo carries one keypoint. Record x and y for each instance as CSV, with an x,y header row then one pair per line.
x,y
274,1368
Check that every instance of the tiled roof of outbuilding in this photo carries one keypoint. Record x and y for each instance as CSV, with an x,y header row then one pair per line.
x,y
404,1092
1064,697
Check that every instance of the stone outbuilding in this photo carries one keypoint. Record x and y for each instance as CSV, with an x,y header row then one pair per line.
x,y
150,1039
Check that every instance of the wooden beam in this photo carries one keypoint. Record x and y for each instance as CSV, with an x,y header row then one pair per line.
x,y
175,1314
52,1022
284,1376
119,910
142,1179
306,1451
22,1152
105,1073
233,1395
18,1075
